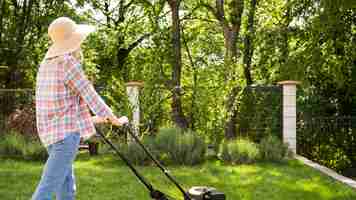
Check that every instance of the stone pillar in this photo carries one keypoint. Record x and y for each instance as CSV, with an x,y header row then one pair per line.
x,y
290,114
132,89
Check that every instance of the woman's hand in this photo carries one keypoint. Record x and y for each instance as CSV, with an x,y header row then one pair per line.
x,y
119,121
113,120
99,120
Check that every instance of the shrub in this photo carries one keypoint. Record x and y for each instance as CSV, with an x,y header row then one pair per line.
x,y
167,138
211,152
239,151
33,150
134,152
23,120
14,144
272,149
170,146
178,147
331,156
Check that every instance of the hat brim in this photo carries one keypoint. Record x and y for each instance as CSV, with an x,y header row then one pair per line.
x,y
72,43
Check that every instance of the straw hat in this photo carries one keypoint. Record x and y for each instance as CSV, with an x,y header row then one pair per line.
x,y
66,36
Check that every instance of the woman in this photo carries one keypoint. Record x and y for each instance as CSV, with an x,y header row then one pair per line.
x,y
63,95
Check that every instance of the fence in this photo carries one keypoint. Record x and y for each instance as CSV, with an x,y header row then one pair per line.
x,y
330,141
260,112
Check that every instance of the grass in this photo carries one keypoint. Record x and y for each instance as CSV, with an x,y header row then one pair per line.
x,y
105,178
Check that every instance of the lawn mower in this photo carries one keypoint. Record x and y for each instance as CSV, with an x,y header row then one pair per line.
x,y
194,193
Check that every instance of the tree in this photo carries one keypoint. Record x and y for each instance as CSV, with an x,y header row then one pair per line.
x,y
231,26
22,26
120,17
248,41
177,110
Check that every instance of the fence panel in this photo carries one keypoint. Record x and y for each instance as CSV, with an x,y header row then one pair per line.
x,y
260,112
331,141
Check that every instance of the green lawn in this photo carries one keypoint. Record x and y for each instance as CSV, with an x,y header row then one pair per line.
x,y
104,178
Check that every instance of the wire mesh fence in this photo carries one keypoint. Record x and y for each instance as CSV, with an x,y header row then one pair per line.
x,y
330,141
260,112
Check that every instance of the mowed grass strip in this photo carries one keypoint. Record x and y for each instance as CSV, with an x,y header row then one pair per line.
x,y
106,178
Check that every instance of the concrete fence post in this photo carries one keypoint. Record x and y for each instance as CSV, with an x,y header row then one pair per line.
x,y
289,114
132,90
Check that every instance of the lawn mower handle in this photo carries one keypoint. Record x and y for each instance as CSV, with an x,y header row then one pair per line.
x,y
155,194
194,193
205,193
129,129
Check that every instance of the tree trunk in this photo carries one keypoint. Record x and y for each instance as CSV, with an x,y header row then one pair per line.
x,y
195,84
232,111
285,47
230,128
107,15
2,9
248,43
231,34
230,41
177,111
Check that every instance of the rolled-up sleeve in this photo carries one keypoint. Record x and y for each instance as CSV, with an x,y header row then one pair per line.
x,y
75,79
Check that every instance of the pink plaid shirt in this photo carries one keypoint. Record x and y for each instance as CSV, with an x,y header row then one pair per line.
x,y
63,94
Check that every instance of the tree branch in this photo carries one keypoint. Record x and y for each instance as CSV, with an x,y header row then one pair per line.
x,y
220,10
137,42
197,18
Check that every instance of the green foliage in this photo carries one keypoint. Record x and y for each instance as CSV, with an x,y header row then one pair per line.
x,y
23,37
239,151
14,144
178,147
332,157
34,151
311,41
134,152
273,149
327,140
167,138
171,146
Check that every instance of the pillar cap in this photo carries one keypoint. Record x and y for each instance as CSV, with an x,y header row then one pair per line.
x,y
134,84
289,82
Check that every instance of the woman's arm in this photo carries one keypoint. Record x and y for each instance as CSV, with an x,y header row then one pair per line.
x,y
76,80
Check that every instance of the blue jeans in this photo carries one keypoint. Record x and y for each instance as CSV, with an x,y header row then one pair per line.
x,y
58,174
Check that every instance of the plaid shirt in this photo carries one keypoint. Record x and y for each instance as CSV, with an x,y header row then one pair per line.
x,y
63,94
